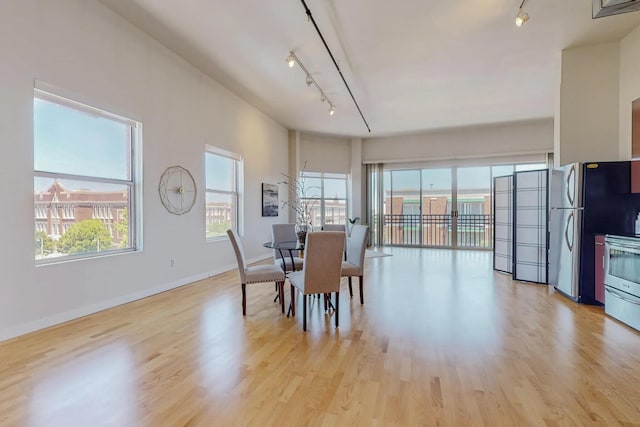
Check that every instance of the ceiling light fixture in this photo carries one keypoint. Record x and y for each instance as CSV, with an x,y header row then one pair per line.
x,y
292,59
522,16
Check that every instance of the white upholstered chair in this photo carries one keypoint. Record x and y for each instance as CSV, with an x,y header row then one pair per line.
x,y
321,271
354,265
255,274
286,233
338,227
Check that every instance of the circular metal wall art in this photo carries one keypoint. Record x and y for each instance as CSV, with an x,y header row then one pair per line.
x,y
177,190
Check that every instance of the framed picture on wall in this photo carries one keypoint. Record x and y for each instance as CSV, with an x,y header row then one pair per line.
x,y
269,199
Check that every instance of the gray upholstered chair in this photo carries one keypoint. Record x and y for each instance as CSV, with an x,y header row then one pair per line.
x,y
354,265
321,271
286,233
255,274
338,227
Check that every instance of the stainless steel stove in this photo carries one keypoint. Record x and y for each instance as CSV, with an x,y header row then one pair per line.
x,y
622,279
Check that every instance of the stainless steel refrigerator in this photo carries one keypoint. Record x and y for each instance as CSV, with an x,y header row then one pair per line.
x,y
586,200
565,218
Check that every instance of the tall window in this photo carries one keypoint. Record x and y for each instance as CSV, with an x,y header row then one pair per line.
x,y
329,191
222,180
84,181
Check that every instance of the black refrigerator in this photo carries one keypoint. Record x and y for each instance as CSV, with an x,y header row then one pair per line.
x,y
586,199
608,207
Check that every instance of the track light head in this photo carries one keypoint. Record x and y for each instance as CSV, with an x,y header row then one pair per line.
x,y
309,80
332,110
323,98
521,18
291,60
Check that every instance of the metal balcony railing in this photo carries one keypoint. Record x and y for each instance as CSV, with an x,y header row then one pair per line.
x,y
473,230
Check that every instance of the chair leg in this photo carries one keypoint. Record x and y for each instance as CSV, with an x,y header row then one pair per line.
x,y
361,295
244,299
281,293
350,288
293,301
304,312
337,307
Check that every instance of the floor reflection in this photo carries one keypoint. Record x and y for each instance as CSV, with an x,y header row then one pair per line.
x,y
89,387
221,347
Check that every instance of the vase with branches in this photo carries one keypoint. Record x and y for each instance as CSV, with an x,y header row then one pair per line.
x,y
300,202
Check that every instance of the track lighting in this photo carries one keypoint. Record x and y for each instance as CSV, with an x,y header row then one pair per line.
x,y
292,59
307,11
522,16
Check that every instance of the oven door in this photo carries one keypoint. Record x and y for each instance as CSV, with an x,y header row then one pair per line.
x,y
622,306
622,265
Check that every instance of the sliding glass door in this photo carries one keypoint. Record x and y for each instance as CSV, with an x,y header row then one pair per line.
x,y
403,208
437,194
474,222
438,207
415,207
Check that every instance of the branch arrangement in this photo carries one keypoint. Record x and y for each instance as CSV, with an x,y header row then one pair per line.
x,y
301,204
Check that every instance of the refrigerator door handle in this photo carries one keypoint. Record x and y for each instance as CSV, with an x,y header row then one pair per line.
x,y
571,187
566,232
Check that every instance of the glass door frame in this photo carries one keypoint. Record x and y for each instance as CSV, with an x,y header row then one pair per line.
x,y
383,221
391,226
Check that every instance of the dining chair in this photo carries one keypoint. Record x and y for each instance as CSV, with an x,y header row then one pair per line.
x,y
286,233
255,274
321,271
338,227
354,265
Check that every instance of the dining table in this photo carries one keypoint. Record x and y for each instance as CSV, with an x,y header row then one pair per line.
x,y
288,246
291,246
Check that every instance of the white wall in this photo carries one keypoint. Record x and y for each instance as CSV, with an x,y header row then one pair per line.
x,y
507,139
357,196
587,118
629,87
336,155
83,48
325,153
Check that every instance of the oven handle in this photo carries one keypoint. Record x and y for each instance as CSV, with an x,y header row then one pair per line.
x,y
634,249
627,248
617,295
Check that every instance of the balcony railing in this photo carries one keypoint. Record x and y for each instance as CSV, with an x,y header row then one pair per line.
x,y
473,231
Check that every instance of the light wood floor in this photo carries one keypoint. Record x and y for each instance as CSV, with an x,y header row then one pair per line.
x,y
442,340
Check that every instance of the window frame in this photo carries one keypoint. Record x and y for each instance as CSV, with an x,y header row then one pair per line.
x,y
321,200
133,183
238,162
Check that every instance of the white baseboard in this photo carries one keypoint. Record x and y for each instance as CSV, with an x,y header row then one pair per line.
x,y
76,313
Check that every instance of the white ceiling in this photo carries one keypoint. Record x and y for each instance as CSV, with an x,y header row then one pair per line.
x,y
412,65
